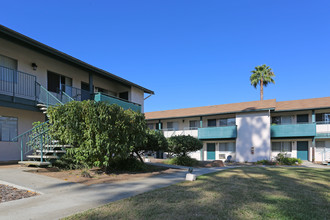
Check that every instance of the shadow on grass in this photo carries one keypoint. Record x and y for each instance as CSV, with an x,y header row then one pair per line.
x,y
241,193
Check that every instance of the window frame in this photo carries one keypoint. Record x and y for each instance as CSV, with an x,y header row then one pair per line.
x,y
15,135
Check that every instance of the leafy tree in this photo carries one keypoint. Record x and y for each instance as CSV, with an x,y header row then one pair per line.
x,y
262,75
155,141
181,145
99,132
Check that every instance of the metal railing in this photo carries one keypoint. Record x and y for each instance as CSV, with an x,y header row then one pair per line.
x,y
45,97
33,139
75,93
17,84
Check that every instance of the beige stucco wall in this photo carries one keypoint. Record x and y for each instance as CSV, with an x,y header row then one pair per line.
x,y
11,150
26,57
253,130
137,96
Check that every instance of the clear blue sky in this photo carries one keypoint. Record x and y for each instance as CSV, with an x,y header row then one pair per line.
x,y
191,53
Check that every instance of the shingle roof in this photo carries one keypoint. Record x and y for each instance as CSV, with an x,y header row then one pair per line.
x,y
213,109
315,103
303,104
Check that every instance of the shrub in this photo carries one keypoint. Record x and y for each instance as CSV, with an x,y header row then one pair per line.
x,y
130,164
283,160
183,161
266,162
98,131
182,145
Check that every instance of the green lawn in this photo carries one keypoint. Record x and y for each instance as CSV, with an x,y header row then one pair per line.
x,y
241,193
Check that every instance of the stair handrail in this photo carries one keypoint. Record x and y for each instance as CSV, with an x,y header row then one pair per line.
x,y
48,93
16,138
67,96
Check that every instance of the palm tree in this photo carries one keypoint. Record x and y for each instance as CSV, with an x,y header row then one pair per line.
x,y
262,75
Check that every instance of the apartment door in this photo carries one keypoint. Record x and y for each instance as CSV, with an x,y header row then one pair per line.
x,y
210,149
85,94
302,150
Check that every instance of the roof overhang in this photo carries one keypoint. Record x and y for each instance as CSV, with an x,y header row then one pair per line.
x,y
30,43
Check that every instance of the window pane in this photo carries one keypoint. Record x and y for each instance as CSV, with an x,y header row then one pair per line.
x,y
222,147
223,122
286,146
319,117
231,121
302,118
211,122
231,147
150,126
276,146
320,144
286,120
276,120
175,126
193,124
8,128
169,125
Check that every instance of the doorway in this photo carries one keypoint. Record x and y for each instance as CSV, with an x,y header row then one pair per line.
x,y
302,150
210,149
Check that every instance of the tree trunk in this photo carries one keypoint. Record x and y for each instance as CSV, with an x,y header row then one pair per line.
x,y
261,89
139,156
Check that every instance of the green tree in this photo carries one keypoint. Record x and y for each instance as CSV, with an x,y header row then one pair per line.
x,y
262,75
155,141
99,132
181,145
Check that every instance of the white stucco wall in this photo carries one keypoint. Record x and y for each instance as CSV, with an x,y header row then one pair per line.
x,y
253,130
137,96
10,151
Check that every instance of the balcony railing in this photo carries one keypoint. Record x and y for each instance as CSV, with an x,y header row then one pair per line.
x,y
115,100
75,93
17,84
225,132
169,132
293,130
323,130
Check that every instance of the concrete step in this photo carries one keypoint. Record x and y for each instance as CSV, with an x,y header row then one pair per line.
x,y
43,109
35,163
52,151
44,156
41,105
57,146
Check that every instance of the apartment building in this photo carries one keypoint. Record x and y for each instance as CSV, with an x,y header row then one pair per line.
x,y
252,131
34,75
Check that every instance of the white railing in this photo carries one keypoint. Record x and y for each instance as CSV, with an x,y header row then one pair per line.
x,y
178,132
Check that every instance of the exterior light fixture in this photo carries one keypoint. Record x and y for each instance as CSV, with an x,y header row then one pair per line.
x,y
34,66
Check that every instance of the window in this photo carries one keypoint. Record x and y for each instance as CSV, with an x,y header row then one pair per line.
x,y
323,118
282,120
172,126
211,123
8,68
285,146
193,125
230,147
8,128
56,81
227,122
302,118
150,126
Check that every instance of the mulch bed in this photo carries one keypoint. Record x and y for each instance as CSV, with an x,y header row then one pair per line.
x,y
9,193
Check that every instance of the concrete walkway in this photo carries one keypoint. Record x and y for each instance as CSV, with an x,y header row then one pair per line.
x,y
60,198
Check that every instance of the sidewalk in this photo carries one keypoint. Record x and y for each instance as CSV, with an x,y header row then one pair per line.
x,y
61,198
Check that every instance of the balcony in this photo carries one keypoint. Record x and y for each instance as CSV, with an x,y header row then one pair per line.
x,y
323,130
225,132
186,131
100,97
17,84
293,130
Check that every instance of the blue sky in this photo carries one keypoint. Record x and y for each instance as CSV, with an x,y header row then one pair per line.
x,y
191,53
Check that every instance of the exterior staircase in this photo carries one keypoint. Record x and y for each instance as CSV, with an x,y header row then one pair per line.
x,y
36,144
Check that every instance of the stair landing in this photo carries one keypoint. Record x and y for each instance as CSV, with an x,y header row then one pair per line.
x,y
34,163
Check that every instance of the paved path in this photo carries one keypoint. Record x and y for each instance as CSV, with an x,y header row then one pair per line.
x,y
306,163
60,198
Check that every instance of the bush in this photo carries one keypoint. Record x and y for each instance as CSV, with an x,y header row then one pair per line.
x,y
99,132
130,164
182,145
283,160
183,161
266,162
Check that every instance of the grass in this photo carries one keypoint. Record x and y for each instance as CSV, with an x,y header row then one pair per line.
x,y
241,193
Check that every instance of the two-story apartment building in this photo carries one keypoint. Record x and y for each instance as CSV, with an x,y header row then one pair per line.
x,y
33,74
252,131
